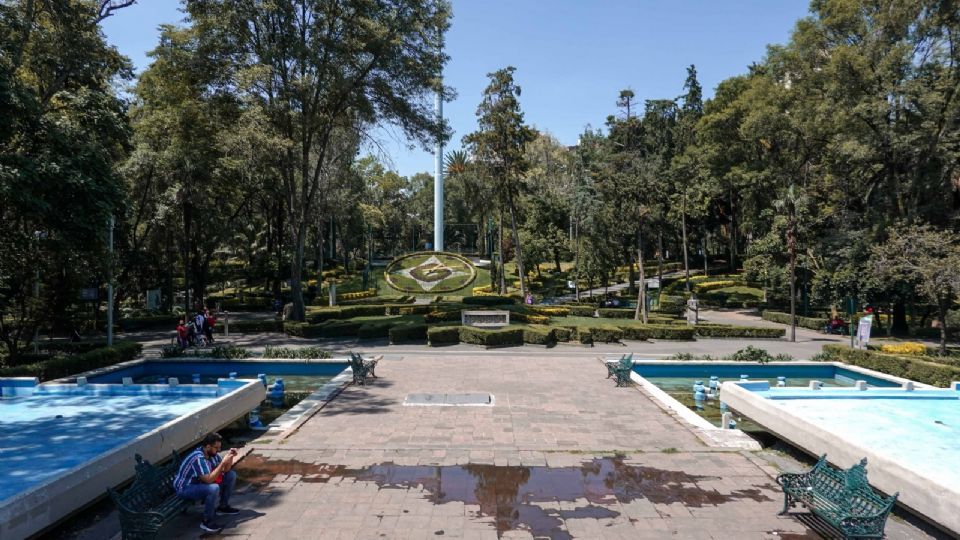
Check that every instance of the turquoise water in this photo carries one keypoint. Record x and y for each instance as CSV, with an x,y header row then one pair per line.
x,y
920,432
45,435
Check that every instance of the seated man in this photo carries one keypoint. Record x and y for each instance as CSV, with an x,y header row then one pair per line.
x,y
205,476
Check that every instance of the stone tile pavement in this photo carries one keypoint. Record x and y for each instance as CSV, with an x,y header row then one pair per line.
x,y
561,454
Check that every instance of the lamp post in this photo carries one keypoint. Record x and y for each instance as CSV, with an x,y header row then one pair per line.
x,y
37,236
110,282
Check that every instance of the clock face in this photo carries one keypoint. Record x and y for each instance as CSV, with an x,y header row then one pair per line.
x,y
430,273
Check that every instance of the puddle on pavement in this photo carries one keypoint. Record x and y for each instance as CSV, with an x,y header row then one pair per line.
x,y
519,497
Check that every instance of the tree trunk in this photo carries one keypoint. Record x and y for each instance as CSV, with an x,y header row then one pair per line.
x,y
516,239
706,258
733,234
942,306
899,325
296,272
792,247
503,270
660,255
641,311
683,226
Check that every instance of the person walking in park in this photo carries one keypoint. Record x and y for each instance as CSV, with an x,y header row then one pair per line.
x,y
182,336
205,476
208,322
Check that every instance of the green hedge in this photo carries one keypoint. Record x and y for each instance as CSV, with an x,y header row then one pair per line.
x,y
616,313
390,299
914,368
408,332
731,331
375,330
339,329
539,335
443,335
606,333
643,332
417,309
302,329
488,300
324,314
349,312
500,336
564,333
581,311
813,323
158,322
442,316
247,327
62,366
673,305
585,335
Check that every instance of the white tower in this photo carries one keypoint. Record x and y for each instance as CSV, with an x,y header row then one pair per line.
x,y
438,182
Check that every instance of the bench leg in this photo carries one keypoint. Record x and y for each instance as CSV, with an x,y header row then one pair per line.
x,y
786,504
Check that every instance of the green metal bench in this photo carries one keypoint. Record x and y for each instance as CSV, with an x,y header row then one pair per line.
x,y
150,502
842,498
621,369
362,368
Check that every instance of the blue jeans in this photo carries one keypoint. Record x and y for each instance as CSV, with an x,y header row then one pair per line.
x,y
212,495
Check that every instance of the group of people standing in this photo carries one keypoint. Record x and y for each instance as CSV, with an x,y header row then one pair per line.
x,y
197,330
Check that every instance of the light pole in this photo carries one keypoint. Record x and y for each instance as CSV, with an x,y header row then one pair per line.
x,y
37,236
110,282
438,179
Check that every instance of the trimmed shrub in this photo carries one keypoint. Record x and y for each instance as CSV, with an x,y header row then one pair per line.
x,y
417,309
442,316
338,329
813,323
488,301
538,335
704,286
295,352
754,354
369,293
375,330
584,335
550,311
581,311
156,322
910,348
302,329
915,368
443,335
62,366
606,333
532,318
490,338
731,331
643,332
324,314
375,310
673,305
616,313
408,332
229,352
389,299
563,333
249,327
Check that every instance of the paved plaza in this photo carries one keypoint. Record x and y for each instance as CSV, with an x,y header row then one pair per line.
x,y
562,453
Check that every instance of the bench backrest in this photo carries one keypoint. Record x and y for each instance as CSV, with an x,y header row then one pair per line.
x,y
626,362
849,489
152,483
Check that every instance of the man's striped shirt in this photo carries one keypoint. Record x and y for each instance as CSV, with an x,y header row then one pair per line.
x,y
193,466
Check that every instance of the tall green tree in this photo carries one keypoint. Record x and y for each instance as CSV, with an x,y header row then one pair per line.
x,y
63,132
499,146
319,70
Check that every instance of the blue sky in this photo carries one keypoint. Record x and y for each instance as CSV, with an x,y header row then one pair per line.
x,y
572,56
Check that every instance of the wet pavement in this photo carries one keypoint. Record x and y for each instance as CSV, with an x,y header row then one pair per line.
x,y
519,498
